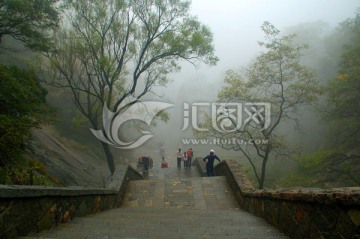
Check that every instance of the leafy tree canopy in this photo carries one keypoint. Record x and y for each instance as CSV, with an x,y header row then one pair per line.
x,y
22,107
277,79
29,21
344,95
325,169
113,52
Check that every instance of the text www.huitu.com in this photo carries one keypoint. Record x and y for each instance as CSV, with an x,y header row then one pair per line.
x,y
216,141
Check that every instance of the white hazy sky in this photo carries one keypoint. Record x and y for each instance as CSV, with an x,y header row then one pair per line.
x,y
236,28
236,23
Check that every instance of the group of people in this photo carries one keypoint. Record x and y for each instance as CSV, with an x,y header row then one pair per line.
x,y
185,157
145,163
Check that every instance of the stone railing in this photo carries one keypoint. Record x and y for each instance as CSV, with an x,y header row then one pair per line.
x,y
298,212
25,209
200,165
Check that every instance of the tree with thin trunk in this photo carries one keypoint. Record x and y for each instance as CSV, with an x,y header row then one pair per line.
x,y
270,92
113,52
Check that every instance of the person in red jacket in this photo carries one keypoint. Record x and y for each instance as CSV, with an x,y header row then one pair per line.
x,y
209,159
190,154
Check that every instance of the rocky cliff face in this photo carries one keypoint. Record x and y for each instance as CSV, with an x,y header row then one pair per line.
x,y
70,162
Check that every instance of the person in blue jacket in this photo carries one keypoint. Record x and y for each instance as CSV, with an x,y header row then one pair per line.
x,y
209,160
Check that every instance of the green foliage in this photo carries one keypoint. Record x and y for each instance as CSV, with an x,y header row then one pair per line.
x,y
162,116
22,107
126,47
26,172
276,77
335,164
78,120
14,133
335,55
325,169
22,99
21,96
29,21
344,95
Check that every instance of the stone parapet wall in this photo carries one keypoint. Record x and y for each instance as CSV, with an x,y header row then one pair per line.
x,y
298,212
201,166
25,209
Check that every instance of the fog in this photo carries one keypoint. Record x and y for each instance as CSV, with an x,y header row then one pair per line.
x,y
236,28
236,24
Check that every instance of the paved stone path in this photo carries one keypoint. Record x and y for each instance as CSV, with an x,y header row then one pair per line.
x,y
190,193
172,204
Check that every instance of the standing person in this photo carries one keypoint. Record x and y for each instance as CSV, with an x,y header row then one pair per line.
x,y
184,157
164,164
151,163
178,157
189,156
140,165
162,153
209,159
146,163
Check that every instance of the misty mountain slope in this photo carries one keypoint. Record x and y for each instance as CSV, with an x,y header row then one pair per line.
x,y
70,162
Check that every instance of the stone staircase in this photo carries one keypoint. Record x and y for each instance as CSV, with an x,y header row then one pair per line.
x,y
170,208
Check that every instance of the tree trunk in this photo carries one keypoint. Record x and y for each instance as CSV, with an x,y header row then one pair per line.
x,y
109,157
263,171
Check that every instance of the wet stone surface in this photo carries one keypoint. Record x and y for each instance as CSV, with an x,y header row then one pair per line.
x,y
172,203
179,191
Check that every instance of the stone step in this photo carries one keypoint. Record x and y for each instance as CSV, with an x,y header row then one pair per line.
x,y
191,193
171,208
164,223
